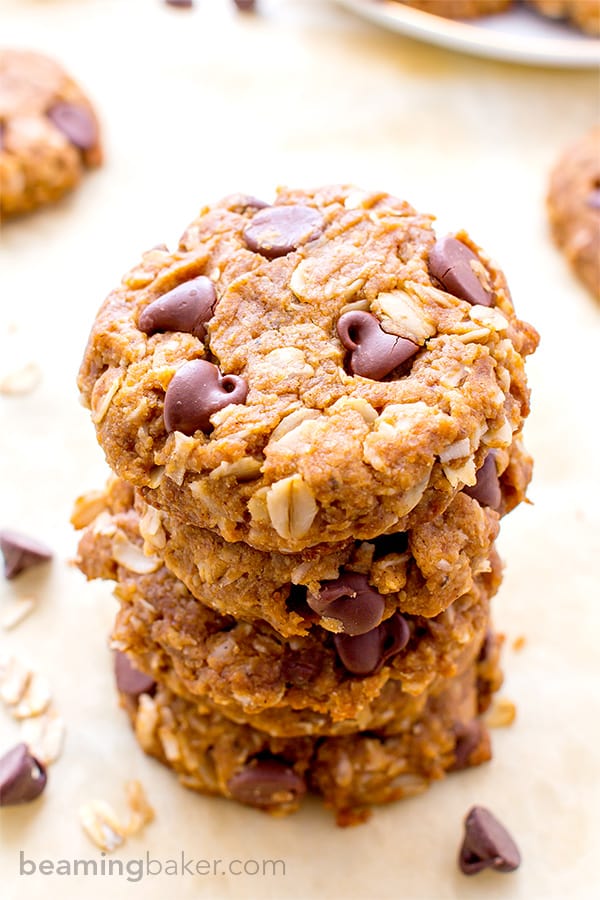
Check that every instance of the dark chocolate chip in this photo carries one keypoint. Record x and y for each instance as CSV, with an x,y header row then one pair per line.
x,y
180,4
373,352
450,261
266,782
245,5
365,654
22,777
21,552
76,123
593,199
351,600
390,543
487,844
197,390
486,489
186,308
277,230
469,736
130,680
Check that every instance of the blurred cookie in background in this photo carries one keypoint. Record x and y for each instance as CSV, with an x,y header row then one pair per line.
x,y
584,14
49,132
574,208
460,9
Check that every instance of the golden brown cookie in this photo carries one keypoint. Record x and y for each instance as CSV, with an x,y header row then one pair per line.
x,y
584,14
315,370
460,9
319,683
574,208
212,755
48,132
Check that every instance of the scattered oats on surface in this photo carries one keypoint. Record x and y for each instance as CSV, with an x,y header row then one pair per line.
x,y
44,735
502,713
22,380
17,611
100,823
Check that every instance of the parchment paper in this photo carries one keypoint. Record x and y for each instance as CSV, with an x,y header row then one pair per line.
x,y
197,105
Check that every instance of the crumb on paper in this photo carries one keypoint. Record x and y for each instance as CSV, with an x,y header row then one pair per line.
x,y
503,713
519,642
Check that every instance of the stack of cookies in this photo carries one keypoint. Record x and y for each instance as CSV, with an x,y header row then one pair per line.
x,y
313,410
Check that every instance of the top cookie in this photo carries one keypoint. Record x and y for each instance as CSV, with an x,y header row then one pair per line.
x,y
48,132
306,372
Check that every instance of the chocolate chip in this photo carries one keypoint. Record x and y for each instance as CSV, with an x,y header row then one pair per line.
x,y
186,308
76,123
245,5
486,489
593,199
469,736
22,777
351,600
197,390
373,352
21,552
277,230
180,4
265,782
450,261
487,844
130,680
365,654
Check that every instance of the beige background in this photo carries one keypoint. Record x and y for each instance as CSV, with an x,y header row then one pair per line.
x,y
198,105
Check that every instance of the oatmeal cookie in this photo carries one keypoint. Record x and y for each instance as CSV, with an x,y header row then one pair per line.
x,y
460,9
584,14
212,755
318,683
574,208
340,587
310,371
48,132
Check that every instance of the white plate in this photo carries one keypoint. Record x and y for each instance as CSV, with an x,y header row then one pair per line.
x,y
518,35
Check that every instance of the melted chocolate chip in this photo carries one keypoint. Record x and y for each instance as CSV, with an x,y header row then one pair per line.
x,y
277,230
130,680
264,782
486,489
186,308
76,123
487,844
197,390
450,261
351,600
22,777
21,552
373,352
365,654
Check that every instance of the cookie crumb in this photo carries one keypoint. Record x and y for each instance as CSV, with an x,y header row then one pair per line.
x,y
502,713
519,642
